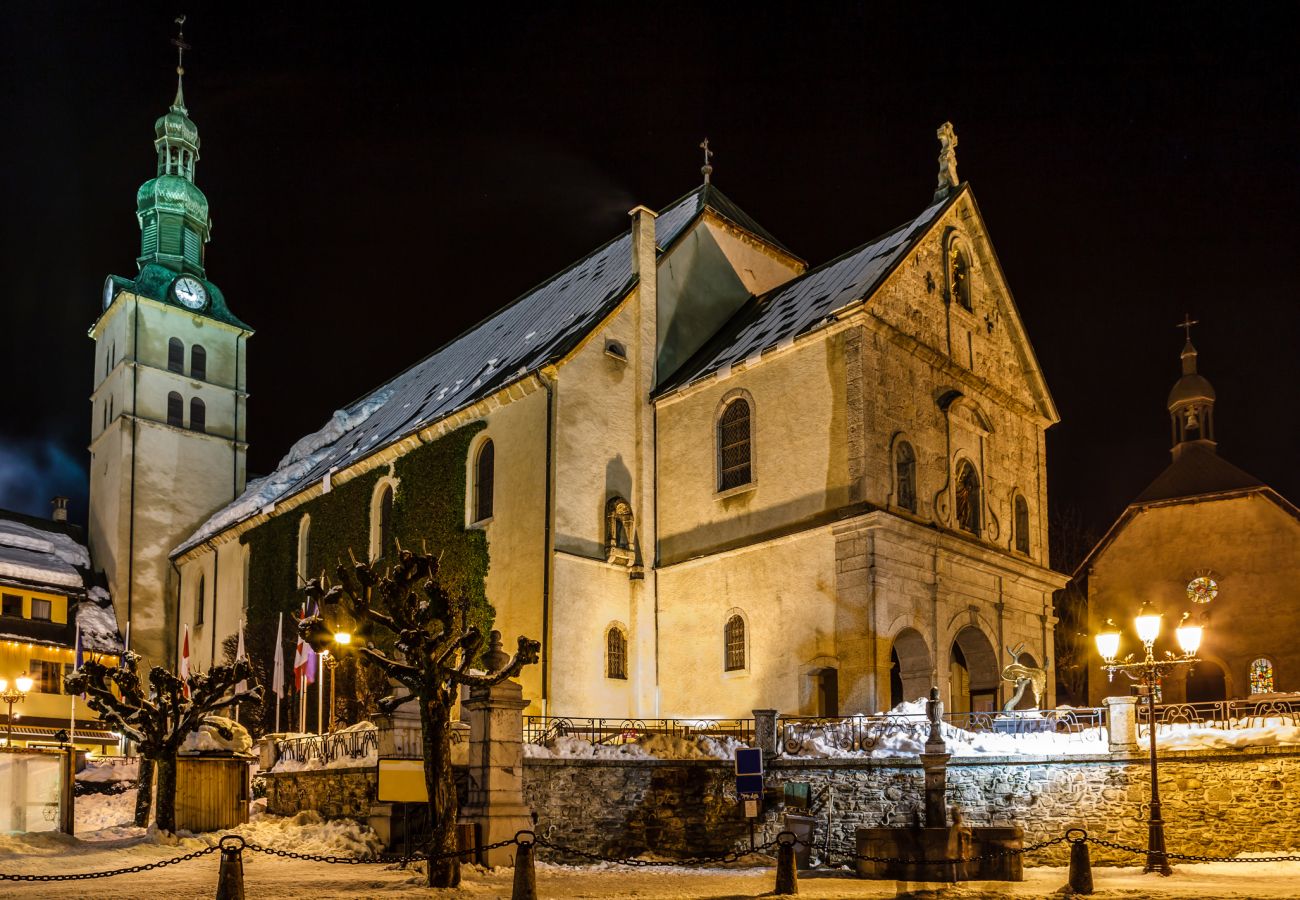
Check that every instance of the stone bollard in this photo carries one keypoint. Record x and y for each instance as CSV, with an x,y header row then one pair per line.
x,y
525,887
787,873
765,733
1121,724
230,877
1080,879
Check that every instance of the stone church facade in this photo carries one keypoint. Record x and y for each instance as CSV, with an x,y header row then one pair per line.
x,y
711,478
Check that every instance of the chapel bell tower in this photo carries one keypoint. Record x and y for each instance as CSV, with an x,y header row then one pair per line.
x,y
1191,402
168,409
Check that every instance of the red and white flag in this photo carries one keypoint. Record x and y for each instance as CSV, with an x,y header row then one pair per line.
x,y
185,664
302,658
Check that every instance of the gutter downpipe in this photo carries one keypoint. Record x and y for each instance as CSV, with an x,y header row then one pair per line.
x,y
547,533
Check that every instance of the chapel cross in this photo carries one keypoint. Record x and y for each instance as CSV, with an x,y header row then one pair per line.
x,y
707,169
1186,324
181,46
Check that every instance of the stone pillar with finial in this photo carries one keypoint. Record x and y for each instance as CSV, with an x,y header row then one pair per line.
x,y
496,759
935,762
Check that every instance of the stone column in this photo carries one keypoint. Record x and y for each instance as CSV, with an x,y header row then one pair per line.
x,y
496,767
765,726
1121,724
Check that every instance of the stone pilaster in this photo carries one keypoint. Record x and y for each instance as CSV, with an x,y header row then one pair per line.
x,y
496,767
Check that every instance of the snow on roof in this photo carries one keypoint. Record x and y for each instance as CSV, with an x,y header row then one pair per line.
x,y
98,623
537,328
44,556
803,304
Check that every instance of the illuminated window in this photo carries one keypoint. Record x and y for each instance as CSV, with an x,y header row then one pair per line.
x,y
734,458
1261,677
175,355
734,639
1202,589
47,677
1022,525
175,410
968,498
615,653
906,476
484,481
42,610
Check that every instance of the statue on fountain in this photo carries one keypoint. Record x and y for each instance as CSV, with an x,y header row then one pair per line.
x,y
1024,678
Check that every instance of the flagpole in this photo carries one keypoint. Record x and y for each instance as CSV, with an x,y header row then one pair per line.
x,y
320,696
279,668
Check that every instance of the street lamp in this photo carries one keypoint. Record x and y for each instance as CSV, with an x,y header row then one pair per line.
x,y
342,639
16,694
1148,672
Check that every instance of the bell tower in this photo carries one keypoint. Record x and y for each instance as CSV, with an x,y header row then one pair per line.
x,y
1191,402
169,405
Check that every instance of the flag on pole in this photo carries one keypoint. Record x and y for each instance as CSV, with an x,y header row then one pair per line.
x,y
240,654
185,664
301,660
313,661
277,676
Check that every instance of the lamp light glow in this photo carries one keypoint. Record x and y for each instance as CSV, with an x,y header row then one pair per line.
x,y
342,637
23,683
1189,638
4,684
1148,626
1108,644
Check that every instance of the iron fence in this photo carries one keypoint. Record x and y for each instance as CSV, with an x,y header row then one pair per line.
x,y
1227,715
614,732
329,747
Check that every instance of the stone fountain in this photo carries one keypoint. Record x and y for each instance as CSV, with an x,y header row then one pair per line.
x,y
935,850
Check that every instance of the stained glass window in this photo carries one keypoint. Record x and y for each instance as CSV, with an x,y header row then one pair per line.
x,y
615,654
734,640
1202,589
1261,677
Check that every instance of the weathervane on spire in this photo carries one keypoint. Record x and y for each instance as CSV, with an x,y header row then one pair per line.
x,y
181,47
1186,324
947,160
707,169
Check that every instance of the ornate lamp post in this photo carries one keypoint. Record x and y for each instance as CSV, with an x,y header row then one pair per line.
x,y
16,694
1148,672
341,639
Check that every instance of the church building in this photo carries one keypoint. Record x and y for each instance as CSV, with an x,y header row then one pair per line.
x,y
710,478
1211,542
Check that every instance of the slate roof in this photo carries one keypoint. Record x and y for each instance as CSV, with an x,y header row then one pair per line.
x,y
1194,472
805,303
538,328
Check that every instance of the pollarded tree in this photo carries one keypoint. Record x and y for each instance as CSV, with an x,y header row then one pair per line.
x,y
435,649
158,715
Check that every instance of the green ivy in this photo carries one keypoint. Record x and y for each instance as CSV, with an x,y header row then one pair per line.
x,y
428,510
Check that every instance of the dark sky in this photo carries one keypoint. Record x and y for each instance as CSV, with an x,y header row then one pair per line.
x,y
379,179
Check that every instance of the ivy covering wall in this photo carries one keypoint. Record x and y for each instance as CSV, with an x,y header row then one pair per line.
x,y
428,511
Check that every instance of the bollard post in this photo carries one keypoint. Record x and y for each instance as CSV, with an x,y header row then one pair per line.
x,y
525,887
787,874
1080,862
230,878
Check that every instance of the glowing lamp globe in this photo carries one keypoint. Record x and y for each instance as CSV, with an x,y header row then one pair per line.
x,y
1108,644
1148,627
342,637
1189,638
4,684
23,683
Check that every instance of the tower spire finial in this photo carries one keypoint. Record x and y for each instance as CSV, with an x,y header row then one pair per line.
x,y
1189,352
947,161
181,47
1186,324
707,169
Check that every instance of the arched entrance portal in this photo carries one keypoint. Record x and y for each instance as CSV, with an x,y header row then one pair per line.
x,y
911,671
973,673
1207,683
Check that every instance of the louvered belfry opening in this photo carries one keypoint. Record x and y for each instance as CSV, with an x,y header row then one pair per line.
x,y
734,446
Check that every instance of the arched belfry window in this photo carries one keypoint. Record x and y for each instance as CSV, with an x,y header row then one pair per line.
x,y
175,410
175,355
734,446
381,522
484,477
733,637
198,363
198,415
906,474
615,653
968,498
959,274
1022,525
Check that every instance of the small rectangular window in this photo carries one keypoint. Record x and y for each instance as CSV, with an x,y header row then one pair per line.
x,y
42,610
47,676
12,605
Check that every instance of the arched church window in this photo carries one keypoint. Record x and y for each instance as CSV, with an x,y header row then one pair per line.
x,y
175,356
734,458
198,363
734,643
906,473
304,532
1261,677
615,653
198,601
1022,525
198,415
175,410
959,274
484,478
968,498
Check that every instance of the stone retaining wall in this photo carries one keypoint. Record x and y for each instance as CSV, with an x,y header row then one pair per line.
x,y
334,793
1215,802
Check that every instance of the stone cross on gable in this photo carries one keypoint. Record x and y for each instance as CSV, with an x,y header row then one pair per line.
x,y
947,160
707,169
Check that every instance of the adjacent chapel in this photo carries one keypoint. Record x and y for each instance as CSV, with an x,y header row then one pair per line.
x,y
710,477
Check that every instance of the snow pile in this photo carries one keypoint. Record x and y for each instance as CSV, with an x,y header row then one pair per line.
x,y
217,734
649,746
306,832
301,459
1271,733
106,816
100,769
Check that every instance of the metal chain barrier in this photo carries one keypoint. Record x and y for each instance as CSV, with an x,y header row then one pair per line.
x,y
729,857
382,859
1189,857
82,876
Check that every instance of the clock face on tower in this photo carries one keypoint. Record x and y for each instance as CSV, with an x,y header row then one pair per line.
x,y
190,293
108,291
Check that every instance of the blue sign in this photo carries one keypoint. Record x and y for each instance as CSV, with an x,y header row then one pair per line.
x,y
749,784
749,761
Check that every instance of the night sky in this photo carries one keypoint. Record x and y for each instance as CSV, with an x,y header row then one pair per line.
x,y
379,180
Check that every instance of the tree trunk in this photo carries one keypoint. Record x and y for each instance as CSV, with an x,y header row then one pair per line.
x,y
166,801
435,717
144,792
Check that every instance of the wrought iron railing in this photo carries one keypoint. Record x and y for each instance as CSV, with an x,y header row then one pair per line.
x,y
614,732
1228,715
328,747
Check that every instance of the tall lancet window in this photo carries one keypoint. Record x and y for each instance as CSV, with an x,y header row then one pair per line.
x,y
484,478
734,459
968,498
906,468
1022,525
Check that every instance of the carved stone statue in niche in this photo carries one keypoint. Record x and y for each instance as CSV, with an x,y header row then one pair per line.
x,y
620,546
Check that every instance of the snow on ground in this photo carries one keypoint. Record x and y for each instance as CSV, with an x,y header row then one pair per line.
x,y
110,768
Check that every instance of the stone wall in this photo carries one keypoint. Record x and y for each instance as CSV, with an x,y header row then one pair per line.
x,y
334,793
1215,802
